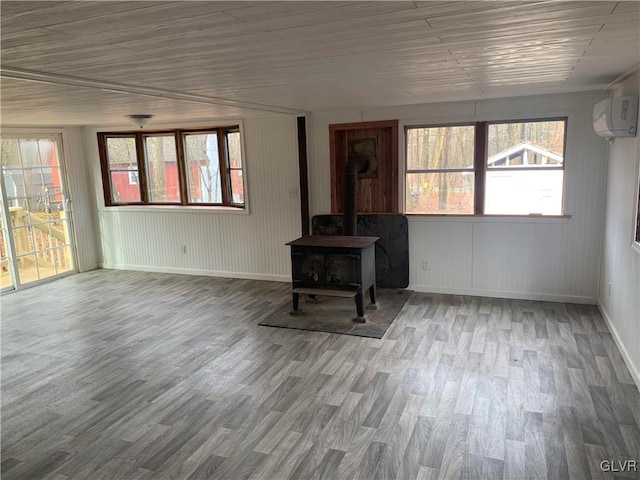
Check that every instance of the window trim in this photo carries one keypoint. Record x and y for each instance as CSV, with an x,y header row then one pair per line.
x,y
143,158
471,169
480,169
179,134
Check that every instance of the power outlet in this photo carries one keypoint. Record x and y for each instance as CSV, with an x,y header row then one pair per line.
x,y
183,249
425,265
609,290
293,193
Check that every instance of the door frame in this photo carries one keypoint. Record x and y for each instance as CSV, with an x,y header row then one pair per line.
x,y
58,135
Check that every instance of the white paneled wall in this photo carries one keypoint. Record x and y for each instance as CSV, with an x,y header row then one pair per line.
x,y
450,261
532,258
620,281
245,245
81,192
546,259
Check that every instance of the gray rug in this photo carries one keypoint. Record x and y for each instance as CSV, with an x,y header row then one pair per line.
x,y
335,314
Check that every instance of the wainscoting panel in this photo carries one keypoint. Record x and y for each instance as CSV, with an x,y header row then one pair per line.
x,y
531,258
237,244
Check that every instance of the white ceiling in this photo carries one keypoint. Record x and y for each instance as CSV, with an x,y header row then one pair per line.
x,y
92,62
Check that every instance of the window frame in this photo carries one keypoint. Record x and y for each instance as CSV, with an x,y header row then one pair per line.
x,y
179,135
480,168
471,170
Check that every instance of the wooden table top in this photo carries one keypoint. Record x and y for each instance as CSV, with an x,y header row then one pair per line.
x,y
345,241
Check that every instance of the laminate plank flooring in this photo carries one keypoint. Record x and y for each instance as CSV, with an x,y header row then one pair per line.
x,y
131,375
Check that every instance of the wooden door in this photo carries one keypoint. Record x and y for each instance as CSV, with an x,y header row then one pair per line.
x,y
378,186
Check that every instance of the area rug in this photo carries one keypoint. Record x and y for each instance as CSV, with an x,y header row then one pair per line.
x,y
335,314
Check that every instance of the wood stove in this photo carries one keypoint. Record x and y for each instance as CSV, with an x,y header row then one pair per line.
x,y
342,266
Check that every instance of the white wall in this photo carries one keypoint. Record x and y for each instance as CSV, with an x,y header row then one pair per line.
x,y
244,245
620,304
545,259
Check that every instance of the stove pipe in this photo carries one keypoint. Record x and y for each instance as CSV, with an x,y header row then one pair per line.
x,y
354,166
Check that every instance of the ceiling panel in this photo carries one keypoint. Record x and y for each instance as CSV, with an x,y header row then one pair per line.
x,y
50,104
26,15
499,14
93,62
164,14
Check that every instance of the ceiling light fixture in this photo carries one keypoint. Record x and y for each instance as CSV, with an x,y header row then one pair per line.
x,y
140,119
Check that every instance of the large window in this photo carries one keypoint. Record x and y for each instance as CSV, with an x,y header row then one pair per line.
x,y
440,172
495,168
177,167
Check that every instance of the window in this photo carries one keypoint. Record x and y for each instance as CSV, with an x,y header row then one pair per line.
x,y
495,168
177,167
133,177
440,173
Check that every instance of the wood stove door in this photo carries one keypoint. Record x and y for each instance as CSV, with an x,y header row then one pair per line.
x,y
308,267
341,269
329,270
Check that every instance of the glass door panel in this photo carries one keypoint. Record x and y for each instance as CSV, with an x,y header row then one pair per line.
x,y
6,279
37,208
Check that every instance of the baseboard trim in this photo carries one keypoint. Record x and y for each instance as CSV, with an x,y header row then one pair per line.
x,y
633,370
474,292
193,271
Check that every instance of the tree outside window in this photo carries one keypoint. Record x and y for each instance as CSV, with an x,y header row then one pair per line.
x,y
500,168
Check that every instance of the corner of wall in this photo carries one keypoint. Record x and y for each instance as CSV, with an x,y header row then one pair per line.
x,y
633,369
620,263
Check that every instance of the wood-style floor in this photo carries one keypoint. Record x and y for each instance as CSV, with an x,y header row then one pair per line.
x,y
128,375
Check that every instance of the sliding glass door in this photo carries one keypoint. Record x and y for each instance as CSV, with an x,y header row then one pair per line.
x,y
6,265
36,218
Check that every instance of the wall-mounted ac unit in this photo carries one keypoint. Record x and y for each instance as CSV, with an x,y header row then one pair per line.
x,y
616,117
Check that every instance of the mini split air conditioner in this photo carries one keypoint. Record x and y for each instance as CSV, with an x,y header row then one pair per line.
x,y
616,117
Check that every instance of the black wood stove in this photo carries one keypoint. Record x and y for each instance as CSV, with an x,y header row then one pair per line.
x,y
342,266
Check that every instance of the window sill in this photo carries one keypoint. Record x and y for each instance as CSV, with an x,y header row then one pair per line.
x,y
424,217
177,208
